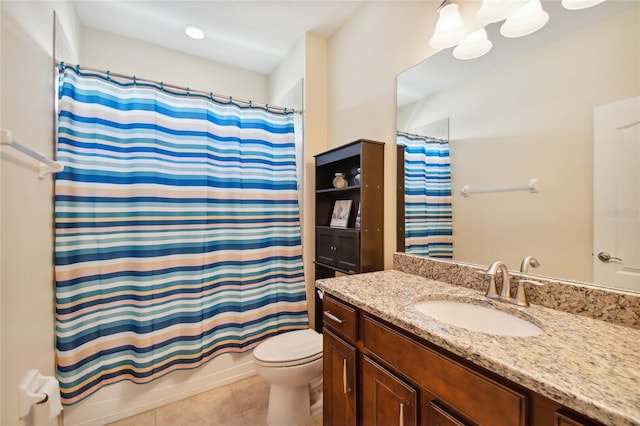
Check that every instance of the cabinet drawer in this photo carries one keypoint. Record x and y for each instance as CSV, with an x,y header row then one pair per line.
x,y
479,398
339,317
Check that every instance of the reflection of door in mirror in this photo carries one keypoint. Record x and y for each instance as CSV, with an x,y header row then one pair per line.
x,y
427,195
616,194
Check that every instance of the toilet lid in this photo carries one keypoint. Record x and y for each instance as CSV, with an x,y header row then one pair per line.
x,y
290,346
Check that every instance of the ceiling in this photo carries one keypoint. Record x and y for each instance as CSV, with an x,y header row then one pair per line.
x,y
252,35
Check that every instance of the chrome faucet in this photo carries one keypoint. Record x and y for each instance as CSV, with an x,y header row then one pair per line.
x,y
527,262
505,292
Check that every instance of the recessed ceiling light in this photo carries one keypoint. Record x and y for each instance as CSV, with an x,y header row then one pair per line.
x,y
194,32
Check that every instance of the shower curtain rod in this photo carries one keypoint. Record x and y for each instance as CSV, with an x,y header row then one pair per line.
x,y
416,136
243,103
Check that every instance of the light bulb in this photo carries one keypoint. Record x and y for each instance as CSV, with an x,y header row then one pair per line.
x,y
449,28
529,19
473,46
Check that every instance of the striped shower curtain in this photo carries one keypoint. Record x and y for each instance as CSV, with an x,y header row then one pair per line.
x,y
177,231
428,217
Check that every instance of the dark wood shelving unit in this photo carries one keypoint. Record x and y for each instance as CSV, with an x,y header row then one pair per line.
x,y
352,249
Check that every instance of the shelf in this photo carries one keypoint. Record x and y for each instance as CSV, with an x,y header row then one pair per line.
x,y
334,268
340,228
333,190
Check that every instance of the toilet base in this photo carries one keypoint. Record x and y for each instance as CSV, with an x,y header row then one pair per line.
x,y
288,406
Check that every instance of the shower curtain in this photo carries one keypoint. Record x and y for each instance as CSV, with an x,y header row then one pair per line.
x,y
428,216
177,231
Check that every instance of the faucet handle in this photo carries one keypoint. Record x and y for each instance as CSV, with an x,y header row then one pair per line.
x,y
521,294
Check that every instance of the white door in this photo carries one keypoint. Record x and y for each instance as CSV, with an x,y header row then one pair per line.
x,y
616,193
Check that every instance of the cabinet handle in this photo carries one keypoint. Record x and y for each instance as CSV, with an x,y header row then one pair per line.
x,y
333,317
344,376
401,423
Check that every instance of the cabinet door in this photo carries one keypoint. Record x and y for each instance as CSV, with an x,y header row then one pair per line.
x,y
348,250
325,246
386,400
339,381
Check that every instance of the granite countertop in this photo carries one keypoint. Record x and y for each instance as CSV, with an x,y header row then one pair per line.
x,y
585,364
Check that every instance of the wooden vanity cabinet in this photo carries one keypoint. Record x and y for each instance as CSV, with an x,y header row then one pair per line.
x,y
378,374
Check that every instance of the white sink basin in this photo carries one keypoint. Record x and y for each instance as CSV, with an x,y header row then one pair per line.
x,y
478,318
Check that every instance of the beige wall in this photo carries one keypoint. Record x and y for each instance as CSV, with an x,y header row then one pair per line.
x,y
26,276
379,41
533,117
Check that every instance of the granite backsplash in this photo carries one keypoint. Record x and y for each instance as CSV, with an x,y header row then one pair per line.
x,y
614,306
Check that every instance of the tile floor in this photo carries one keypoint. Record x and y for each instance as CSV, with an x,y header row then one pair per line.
x,y
242,403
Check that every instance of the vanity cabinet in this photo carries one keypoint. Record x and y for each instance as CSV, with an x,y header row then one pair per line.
x,y
388,376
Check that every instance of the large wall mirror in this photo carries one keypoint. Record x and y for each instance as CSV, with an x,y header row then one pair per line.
x,y
526,111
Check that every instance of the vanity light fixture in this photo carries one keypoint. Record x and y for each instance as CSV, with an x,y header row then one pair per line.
x,y
579,4
527,20
449,28
194,32
473,46
522,17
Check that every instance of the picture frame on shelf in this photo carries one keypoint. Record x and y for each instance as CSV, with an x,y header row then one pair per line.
x,y
340,215
357,224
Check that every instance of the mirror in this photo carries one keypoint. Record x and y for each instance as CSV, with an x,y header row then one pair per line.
x,y
525,111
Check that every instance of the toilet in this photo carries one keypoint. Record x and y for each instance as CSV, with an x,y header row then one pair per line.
x,y
291,363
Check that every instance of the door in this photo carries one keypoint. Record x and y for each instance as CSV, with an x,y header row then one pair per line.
x,y
325,246
348,250
386,399
616,193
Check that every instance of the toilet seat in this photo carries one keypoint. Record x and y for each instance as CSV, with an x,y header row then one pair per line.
x,y
289,349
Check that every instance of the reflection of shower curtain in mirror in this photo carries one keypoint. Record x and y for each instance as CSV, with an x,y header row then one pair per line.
x,y
177,231
428,219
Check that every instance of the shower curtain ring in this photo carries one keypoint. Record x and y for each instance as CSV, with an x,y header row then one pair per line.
x,y
161,85
108,75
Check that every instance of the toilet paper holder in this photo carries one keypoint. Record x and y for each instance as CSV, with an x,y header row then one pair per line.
x,y
29,395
